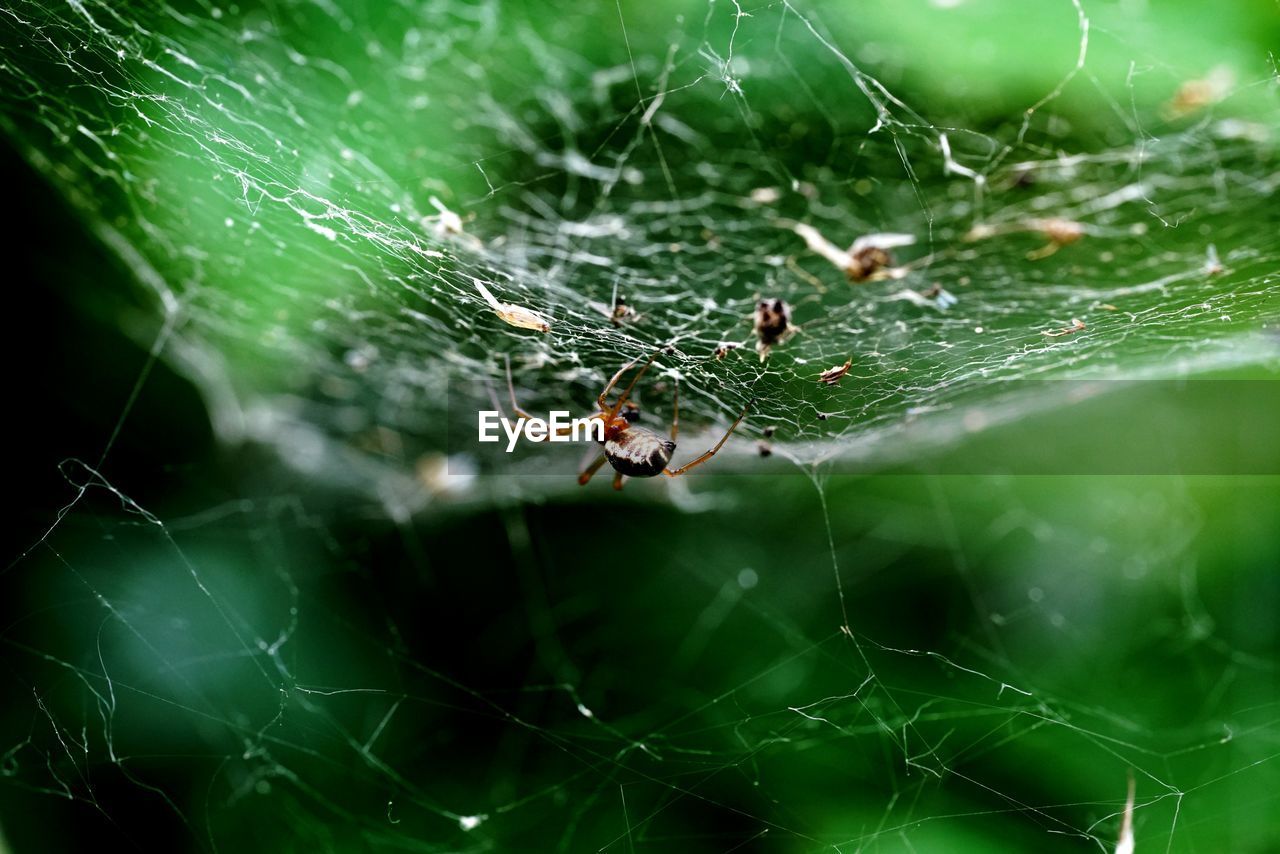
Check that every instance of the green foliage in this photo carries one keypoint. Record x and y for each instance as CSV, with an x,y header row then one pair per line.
x,y
306,196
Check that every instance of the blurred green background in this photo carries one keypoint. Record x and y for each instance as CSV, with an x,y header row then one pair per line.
x,y
243,609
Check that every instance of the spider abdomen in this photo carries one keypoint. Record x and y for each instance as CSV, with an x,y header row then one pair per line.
x,y
637,452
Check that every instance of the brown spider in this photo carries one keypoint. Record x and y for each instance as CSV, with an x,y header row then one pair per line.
x,y
632,450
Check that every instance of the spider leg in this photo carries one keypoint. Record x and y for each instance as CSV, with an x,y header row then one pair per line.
x,y
613,382
618,480
711,453
675,412
591,469
511,391
617,407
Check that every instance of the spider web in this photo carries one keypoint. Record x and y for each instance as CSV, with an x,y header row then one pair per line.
x,y
315,198
323,280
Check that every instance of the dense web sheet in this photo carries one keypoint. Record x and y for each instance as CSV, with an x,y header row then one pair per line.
x,y
322,205
343,228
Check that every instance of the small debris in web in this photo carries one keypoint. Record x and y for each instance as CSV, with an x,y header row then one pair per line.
x,y
772,324
621,311
1125,841
1077,325
983,231
769,431
765,195
1213,264
471,822
723,349
870,258
514,315
941,297
866,260
1194,95
935,297
1061,232
446,225
833,375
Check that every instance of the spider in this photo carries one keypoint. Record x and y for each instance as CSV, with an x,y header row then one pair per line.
x,y
632,450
